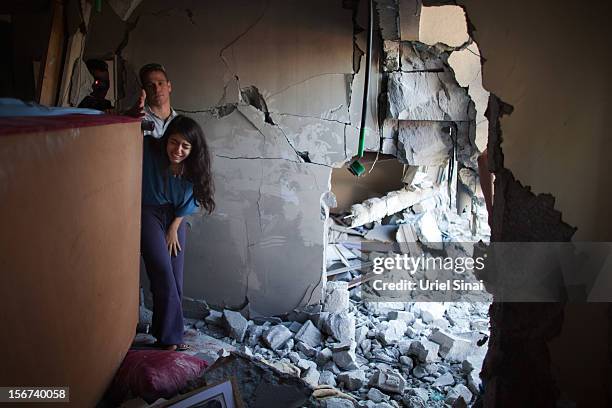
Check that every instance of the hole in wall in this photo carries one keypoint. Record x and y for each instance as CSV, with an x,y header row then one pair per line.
x,y
434,168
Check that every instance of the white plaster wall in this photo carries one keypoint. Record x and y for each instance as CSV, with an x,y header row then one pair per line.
x,y
443,24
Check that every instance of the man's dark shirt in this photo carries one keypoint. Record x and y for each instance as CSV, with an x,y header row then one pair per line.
x,y
91,102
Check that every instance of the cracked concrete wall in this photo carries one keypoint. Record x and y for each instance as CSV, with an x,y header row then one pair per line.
x,y
274,87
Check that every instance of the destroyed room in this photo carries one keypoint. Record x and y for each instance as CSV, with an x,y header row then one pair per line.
x,y
305,204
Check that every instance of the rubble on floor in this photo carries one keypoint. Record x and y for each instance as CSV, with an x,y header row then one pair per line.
x,y
349,353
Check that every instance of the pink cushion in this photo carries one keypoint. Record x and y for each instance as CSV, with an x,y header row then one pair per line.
x,y
154,374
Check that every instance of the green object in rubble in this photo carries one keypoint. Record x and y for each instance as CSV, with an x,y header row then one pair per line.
x,y
356,168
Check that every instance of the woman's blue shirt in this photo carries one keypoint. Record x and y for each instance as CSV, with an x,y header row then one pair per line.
x,y
160,187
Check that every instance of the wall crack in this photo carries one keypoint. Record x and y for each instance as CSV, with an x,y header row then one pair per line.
x,y
312,117
238,37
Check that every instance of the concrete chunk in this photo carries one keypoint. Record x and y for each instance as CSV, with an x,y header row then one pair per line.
x,y
430,236
434,96
295,327
215,318
337,297
430,311
424,350
345,345
360,334
253,334
407,317
336,402
311,376
419,392
309,334
444,380
286,368
306,349
293,357
377,396
420,57
388,380
341,326
419,371
195,308
324,356
421,143
392,332
452,348
403,346
457,391
277,336
346,360
327,377
236,324
304,364
407,362
352,380
376,208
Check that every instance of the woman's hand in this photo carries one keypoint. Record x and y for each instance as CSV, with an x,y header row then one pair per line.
x,y
174,247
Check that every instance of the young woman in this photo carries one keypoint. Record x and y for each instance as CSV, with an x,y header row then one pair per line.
x,y
176,182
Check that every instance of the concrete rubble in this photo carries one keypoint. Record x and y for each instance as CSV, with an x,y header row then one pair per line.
x,y
236,324
397,356
277,336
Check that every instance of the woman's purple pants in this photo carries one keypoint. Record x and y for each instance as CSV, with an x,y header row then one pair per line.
x,y
165,272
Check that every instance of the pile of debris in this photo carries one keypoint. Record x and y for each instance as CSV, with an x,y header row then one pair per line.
x,y
416,221
377,354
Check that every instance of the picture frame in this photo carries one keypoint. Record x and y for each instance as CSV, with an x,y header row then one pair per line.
x,y
221,395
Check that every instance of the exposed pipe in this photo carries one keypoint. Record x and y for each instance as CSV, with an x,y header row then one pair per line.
x,y
366,86
356,167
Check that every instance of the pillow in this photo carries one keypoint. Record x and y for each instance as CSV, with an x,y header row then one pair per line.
x,y
154,374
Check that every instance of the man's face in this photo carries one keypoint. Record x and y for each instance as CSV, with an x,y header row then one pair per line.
x,y
157,87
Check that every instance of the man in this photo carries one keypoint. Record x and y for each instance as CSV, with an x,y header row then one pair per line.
x,y
97,98
154,101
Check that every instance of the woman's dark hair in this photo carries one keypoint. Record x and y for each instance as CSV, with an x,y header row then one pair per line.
x,y
197,164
